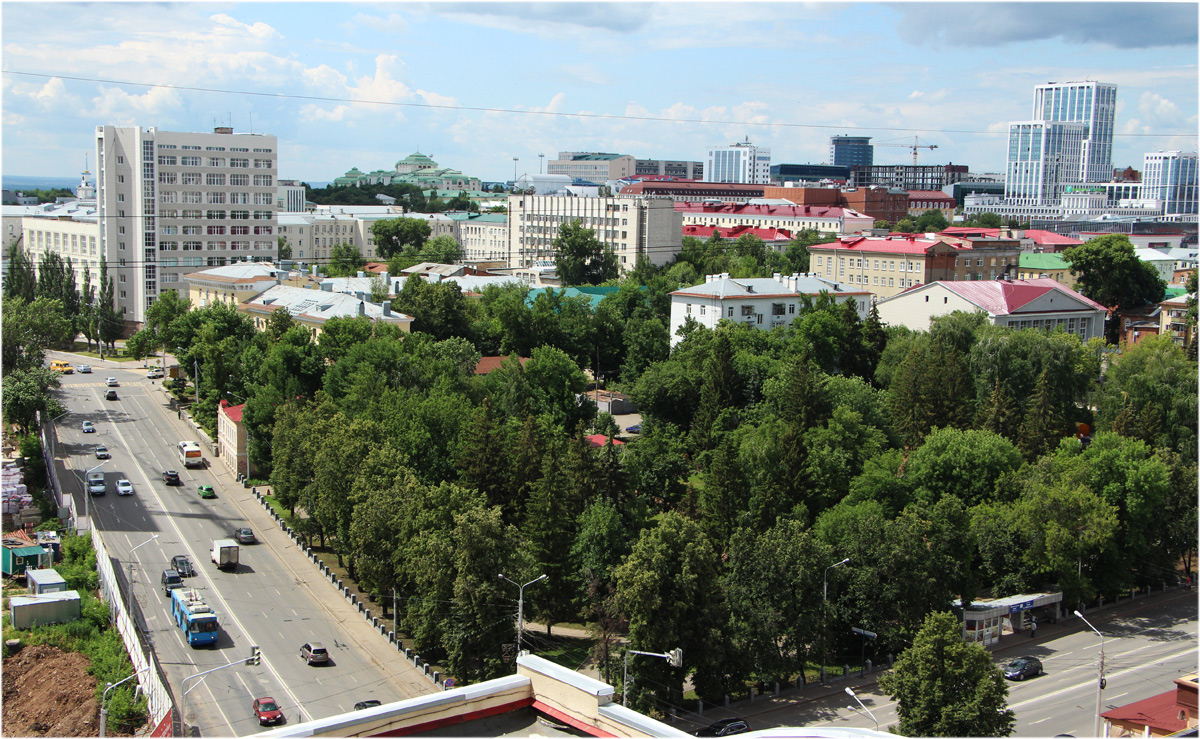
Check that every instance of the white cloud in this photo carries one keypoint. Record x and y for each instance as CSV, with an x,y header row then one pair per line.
x,y
393,23
258,30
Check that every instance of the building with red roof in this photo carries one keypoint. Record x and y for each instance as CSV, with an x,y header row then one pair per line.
x,y
777,238
1032,239
1037,304
1165,714
686,191
823,218
233,439
920,201
885,266
599,440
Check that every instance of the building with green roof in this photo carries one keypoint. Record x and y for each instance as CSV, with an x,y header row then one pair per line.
x,y
1033,266
415,169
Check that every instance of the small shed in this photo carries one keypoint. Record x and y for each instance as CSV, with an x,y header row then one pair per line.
x,y
985,621
45,581
38,610
51,540
618,404
18,554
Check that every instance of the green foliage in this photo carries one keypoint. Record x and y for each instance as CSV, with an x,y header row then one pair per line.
x,y
945,687
26,393
967,464
21,280
1107,271
394,236
1153,385
932,221
29,329
345,260
580,258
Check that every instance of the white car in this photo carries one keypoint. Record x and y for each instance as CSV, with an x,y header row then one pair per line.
x,y
124,487
154,373
112,382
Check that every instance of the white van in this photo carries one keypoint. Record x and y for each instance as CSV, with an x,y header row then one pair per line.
x,y
95,483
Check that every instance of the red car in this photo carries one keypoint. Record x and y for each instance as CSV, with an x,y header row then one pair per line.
x,y
267,711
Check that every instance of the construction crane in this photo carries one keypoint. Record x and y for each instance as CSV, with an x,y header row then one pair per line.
x,y
916,144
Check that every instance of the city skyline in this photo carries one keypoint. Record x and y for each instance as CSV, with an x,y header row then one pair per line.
x,y
365,85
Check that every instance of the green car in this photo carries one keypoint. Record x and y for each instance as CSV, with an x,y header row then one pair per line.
x,y
206,491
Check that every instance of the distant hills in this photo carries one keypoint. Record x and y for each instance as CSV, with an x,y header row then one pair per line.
x,y
16,182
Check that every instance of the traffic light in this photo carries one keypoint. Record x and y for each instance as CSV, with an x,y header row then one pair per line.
x,y
676,658
255,657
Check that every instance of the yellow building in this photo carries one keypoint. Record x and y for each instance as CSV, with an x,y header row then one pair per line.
x,y
232,284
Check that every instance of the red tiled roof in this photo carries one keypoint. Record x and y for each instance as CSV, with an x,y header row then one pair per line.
x,y
928,195
733,232
601,440
1002,297
488,364
1160,713
234,412
1038,236
876,245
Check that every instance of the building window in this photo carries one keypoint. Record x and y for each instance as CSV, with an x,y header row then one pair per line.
x,y
163,160
239,180
214,180
189,161
702,309
216,161
239,163
190,178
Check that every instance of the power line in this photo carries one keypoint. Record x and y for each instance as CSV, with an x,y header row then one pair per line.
x,y
511,111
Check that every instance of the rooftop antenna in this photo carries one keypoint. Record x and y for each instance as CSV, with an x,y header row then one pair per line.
x,y
252,121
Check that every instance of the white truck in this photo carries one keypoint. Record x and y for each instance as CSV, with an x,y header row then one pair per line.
x,y
96,485
225,554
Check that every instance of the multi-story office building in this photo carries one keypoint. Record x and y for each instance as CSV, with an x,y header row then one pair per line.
x,y
170,202
634,227
739,162
1043,157
667,168
851,151
1093,104
593,166
290,195
809,172
908,176
1170,176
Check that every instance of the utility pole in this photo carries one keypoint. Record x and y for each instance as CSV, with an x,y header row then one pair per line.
x,y
825,615
521,605
673,658
1100,676
254,659
104,698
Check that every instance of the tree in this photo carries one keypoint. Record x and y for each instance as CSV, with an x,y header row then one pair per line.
x,y
906,226
111,322
442,249
932,221
880,223
1108,271
379,289
56,281
580,258
283,248
26,391
930,388
161,317
1043,426
946,687
1154,382
394,235
29,328
344,260
22,277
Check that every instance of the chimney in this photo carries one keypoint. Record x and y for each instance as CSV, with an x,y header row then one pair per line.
x,y
387,307
360,296
384,275
362,308
361,274
327,286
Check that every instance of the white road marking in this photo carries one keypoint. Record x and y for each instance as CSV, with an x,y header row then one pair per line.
x,y
1041,720
1091,682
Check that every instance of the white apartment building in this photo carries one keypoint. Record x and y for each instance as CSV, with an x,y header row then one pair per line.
x,y
1042,157
290,196
71,229
1170,176
738,162
594,166
760,302
789,216
482,236
170,202
632,226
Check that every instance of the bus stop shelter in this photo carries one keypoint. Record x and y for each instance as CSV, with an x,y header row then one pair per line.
x,y
985,621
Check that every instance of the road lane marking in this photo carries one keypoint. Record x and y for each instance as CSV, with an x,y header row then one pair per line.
x,y
1090,682
1041,720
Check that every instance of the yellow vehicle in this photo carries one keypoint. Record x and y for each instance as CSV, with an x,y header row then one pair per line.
x,y
60,366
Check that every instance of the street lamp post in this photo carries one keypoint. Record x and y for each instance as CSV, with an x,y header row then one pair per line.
x,y
825,614
129,603
254,659
851,693
521,604
1100,676
104,698
53,435
673,657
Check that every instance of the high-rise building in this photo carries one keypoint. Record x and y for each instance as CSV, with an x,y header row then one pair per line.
x,y
1094,104
851,151
738,162
1067,141
593,166
171,203
1170,176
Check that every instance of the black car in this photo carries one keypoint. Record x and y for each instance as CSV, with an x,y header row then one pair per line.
x,y
183,565
1023,667
110,395
725,727
171,477
361,705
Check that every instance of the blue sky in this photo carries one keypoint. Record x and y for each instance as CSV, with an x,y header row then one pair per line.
x,y
787,75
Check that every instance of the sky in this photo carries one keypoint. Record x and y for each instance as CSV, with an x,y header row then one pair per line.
x,y
475,85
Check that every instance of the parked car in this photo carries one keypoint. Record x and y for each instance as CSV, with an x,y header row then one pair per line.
x,y
110,395
206,491
170,580
154,373
183,565
1023,667
112,382
124,487
83,369
314,653
243,535
266,710
361,705
88,428
171,477
102,453
725,727
634,429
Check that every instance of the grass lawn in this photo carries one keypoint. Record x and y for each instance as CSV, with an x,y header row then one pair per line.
x,y
119,355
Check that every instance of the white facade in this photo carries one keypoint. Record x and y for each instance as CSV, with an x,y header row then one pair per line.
x,y
170,202
1170,176
1038,304
632,227
1042,157
71,229
1093,104
763,303
739,162
290,196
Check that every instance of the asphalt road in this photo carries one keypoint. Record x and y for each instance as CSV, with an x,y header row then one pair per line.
x,y
276,599
1147,645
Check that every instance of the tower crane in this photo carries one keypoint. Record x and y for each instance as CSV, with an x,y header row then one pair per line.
x,y
916,144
